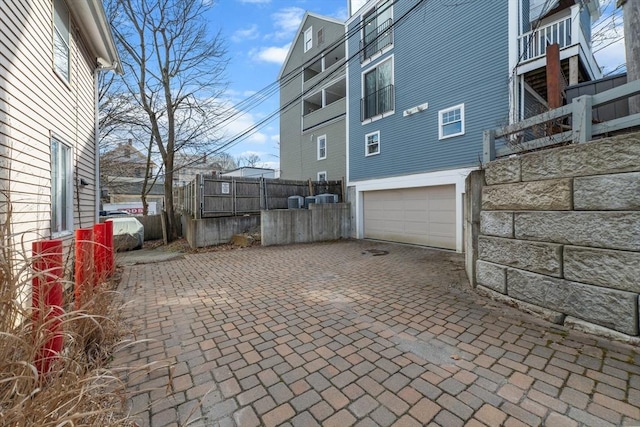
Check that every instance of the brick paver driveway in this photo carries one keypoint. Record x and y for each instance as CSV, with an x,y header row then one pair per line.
x,y
344,333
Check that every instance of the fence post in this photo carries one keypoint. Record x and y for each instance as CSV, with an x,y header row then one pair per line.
x,y
489,146
198,195
581,118
47,301
83,265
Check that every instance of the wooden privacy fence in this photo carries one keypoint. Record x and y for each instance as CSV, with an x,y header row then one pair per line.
x,y
577,117
216,196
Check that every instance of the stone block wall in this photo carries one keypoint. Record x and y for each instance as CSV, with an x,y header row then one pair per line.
x,y
560,231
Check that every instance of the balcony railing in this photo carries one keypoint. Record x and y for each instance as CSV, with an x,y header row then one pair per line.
x,y
377,40
377,103
534,43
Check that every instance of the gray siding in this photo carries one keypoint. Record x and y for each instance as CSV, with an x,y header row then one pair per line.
x,y
443,56
298,133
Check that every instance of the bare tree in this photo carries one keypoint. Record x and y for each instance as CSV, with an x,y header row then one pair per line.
x,y
250,160
174,69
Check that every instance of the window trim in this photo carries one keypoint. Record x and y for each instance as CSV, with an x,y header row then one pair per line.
x,y
366,143
307,39
324,138
61,211
441,122
67,42
321,173
365,60
363,73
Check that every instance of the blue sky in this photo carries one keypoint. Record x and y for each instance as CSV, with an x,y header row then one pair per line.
x,y
258,35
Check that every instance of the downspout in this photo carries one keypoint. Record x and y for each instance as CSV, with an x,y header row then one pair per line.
x,y
96,131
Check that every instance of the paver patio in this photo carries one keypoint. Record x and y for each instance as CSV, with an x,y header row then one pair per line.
x,y
357,333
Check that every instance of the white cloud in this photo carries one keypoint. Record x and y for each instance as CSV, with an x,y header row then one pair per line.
x,y
242,34
273,54
286,21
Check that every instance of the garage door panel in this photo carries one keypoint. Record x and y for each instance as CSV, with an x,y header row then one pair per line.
x,y
424,215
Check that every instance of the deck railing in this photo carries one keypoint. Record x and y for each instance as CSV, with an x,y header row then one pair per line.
x,y
577,117
534,43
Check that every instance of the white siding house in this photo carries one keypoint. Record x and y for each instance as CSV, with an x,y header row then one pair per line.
x,y
51,52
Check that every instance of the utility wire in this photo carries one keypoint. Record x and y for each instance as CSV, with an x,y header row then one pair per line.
x,y
294,74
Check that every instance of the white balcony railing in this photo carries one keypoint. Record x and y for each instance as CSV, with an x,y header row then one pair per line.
x,y
534,44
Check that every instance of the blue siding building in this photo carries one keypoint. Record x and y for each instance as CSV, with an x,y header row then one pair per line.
x,y
424,80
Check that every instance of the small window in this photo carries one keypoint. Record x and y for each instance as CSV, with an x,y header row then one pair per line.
x,y
320,36
451,122
61,188
308,39
372,143
61,39
322,147
322,176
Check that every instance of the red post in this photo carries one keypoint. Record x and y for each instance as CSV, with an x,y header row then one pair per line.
x,y
99,252
47,301
109,245
84,265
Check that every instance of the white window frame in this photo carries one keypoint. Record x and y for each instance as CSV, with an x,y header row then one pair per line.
x,y
61,41
367,144
390,112
441,122
324,139
319,176
375,9
61,188
308,39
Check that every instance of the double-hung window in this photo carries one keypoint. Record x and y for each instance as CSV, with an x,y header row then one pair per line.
x,y
61,51
378,90
308,39
451,122
61,187
322,147
372,143
377,29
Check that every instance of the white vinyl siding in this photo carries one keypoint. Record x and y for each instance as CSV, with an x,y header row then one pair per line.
x,y
34,102
322,147
451,122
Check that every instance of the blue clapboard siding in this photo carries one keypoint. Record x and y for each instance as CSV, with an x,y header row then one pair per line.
x,y
445,53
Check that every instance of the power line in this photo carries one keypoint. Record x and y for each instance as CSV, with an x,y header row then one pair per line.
x,y
294,74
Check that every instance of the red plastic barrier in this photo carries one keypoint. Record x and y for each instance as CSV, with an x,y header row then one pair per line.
x,y
83,266
47,301
109,247
99,252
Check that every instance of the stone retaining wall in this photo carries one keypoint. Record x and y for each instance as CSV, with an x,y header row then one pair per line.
x,y
560,231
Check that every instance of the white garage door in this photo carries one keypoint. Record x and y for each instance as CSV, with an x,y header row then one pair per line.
x,y
423,216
